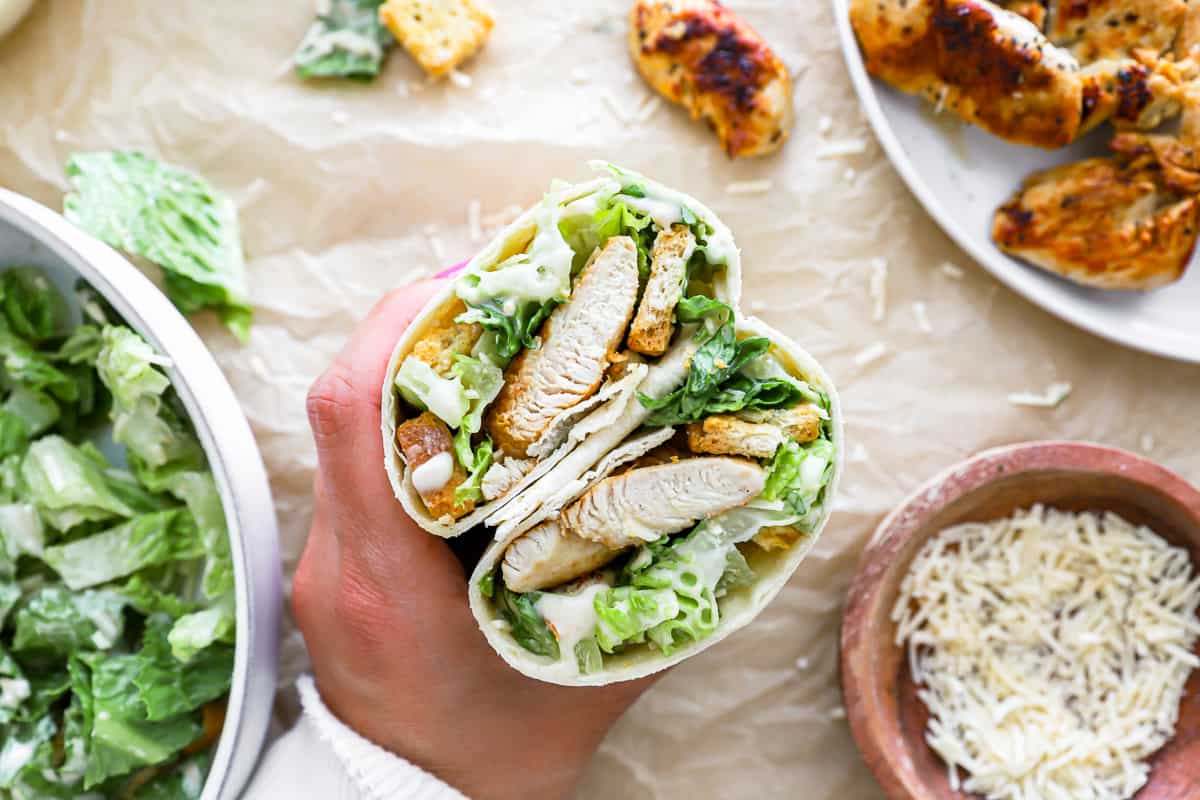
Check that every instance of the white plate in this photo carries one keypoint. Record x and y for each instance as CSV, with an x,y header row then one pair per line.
x,y
961,175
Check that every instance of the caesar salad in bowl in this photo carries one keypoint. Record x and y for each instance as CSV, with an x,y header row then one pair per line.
x,y
139,561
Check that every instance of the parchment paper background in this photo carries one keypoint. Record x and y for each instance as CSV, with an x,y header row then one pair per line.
x,y
347,191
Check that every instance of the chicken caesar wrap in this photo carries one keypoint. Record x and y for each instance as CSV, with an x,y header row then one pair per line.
x,y
538,346
684,531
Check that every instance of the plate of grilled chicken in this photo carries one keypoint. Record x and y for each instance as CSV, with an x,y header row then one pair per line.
x,y
1056,141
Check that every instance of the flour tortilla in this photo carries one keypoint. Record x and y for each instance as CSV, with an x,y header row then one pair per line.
x,y
738,608
511,240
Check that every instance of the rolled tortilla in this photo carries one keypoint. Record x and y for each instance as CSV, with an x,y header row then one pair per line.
x,y
578,436
771,567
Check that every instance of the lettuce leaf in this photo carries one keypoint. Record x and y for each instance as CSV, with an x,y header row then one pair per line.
x,y
423,388
528,627
143,541
168,687
514,331
798,475
194,633
53,621
68,486
627,612
347,41
33,307
171,217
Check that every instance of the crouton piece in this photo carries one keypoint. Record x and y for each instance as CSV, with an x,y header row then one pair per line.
x,y
725,434
439,34
776,538
428,451
802,422
447,338
651,331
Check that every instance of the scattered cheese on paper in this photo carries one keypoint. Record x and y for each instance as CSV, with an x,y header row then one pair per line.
x,y
1051,649
871,354
474,220
749,187
921,314
878,289
952,271
825,125
1052,397
648,109
847,147
460,79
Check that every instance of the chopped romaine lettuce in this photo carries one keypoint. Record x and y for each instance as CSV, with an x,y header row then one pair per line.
x,y
625,613
716,382
798,475
347,40
528,626
515,331
423,388
477,464
116,585
171,217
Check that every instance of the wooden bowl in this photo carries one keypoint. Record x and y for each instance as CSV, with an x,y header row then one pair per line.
x,y
886,717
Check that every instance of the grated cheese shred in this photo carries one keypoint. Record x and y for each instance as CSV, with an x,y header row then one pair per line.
x,y
1051,649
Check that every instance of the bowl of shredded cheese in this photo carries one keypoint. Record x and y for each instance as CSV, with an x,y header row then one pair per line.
x,y
1025,626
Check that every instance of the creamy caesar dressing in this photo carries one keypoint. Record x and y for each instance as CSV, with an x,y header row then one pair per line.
x,y
347,41
590,204
663,212
13,691
434,474
572,618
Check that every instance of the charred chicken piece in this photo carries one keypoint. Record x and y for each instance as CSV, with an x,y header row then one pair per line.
x,y
703,56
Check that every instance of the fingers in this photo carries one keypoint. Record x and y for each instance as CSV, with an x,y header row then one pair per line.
x,y
343,406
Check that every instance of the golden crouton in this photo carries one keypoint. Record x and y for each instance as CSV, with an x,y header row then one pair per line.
x,y
776,538
652,327
421,439
725,434
802,422
703,56
447,338
439,34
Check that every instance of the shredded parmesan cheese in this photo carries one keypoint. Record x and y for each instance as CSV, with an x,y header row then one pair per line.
x,y
460,79
825,125
617,111
1147,442
871,354
1053,397
474,220
647,109
1051,649
749,187
921,314
878,289
952,271
849,147
579,77
850,174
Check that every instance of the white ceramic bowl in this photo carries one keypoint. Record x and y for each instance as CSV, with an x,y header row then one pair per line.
x,y
34,235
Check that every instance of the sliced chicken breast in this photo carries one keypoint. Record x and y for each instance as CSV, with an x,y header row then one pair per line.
x,y
1126,222
548,555
651,331
703,56
578,342
644,504
1100,29
428,450
992,67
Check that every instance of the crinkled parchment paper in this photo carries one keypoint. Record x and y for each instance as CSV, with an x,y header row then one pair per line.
x,y
347,191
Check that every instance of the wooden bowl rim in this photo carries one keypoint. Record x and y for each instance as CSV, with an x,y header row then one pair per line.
x,y
896,530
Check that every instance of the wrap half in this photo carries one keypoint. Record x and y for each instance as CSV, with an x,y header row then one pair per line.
x,y
530,359
682,530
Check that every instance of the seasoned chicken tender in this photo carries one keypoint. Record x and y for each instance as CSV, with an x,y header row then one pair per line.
x,y
445,338
655,321
1094,30
643,505
439,34
990,66
703,56
726,434
428,450
549,555
1127,222
578,341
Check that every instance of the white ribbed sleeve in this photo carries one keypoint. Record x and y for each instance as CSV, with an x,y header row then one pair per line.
x,y
321,757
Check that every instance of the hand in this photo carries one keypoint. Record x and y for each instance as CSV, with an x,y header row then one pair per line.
x,y
396,652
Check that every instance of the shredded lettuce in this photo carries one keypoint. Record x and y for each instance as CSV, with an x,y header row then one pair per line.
x,y
625,613
171,217
798,474
117,615
716,381
528,626
423,388
348,40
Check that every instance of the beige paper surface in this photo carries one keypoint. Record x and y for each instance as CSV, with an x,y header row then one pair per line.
x,y
347,191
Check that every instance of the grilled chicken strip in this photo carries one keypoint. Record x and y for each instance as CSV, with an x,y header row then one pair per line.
x,y
549,555
726,434
655,321
996,70
578,341
642,505
703,56
428,450
1094,30
1129,221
